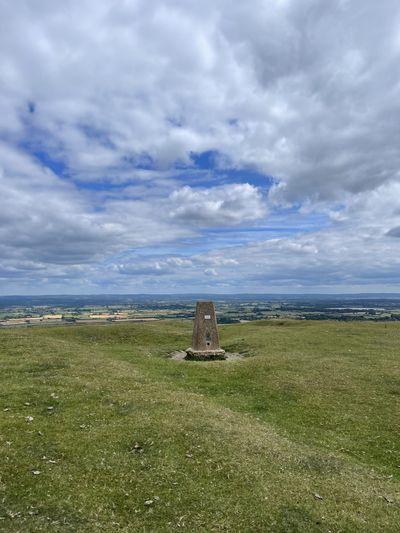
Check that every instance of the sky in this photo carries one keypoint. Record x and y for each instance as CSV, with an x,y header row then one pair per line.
x,y
179,146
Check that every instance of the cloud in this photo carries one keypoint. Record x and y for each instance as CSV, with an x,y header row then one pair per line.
x,y
299,90
357,251
45,220
218,206
394,232
104,105
48,220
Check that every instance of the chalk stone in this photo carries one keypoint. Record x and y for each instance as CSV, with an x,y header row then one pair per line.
x,y
205,340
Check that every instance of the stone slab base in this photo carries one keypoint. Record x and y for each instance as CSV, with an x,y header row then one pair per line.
x,y
209,355
181,356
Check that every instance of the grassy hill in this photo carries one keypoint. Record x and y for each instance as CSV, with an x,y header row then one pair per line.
x,y
100,431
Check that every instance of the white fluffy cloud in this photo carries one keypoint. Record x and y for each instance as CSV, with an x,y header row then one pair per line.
x,y
48,221
306,91
216,206
121,94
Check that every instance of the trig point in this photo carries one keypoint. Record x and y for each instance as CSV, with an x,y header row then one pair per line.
x,y
205,341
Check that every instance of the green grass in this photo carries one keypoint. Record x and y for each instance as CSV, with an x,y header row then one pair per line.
x,y
302,434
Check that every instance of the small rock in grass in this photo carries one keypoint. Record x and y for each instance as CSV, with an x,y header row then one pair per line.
x,y
50,408
35,472
149,502
29,419
137,448
6,409
318,497
388,499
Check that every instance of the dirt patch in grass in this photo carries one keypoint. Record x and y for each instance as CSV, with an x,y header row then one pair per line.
x,y
229,356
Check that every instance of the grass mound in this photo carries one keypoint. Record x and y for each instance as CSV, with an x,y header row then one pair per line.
x,y
101,431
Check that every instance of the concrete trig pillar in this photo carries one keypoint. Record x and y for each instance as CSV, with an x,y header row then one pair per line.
x,y
205,340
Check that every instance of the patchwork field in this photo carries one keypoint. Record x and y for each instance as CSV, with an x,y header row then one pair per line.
x,y
101,431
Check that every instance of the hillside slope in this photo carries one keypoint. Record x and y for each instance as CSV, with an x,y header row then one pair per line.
x,y
100,431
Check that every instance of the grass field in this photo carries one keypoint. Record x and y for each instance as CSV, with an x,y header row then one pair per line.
x,y
100,431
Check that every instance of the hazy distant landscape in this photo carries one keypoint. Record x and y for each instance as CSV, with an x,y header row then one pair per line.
x,y
51,310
